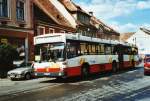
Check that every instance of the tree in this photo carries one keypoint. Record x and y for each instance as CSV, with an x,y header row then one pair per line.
x,y
7,54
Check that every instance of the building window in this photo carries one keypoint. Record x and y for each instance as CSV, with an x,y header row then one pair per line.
x,y
40,30
3,8
51,30
84,33
20,10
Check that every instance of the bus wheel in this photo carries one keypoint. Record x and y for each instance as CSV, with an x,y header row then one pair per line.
x,y
59,78
133,64
114,66
85,71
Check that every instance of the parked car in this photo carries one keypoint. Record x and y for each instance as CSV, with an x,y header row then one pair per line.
x,y
23,71
147,65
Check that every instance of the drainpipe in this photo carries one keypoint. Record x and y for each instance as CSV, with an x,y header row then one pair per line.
x,y
26,49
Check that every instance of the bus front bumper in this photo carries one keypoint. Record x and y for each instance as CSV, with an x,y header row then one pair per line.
x,y
55,74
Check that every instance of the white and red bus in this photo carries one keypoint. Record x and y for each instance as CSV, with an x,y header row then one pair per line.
x,y
68,55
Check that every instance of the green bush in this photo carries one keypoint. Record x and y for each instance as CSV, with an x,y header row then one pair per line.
x,y
7,54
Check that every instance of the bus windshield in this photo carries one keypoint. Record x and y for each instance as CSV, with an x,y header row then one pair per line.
x,y
49,52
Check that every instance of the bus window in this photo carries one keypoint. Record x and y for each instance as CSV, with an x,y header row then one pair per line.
x,y
96,49
118,49
37,50
48,52
83,48
93,49
90,48
72,50
127,50
112,48
102,49
108,49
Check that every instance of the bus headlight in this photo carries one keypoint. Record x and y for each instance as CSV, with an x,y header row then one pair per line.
x,y
60,74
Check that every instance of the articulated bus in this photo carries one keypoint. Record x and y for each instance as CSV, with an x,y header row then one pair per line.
x,y
68,55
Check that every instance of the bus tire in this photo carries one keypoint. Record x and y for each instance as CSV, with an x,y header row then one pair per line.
x,y
133,63
114,66
59,78
85,71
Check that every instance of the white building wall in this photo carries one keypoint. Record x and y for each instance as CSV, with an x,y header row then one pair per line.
x,y
142,40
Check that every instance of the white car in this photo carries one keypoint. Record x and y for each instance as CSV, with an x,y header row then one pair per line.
x,y
25,71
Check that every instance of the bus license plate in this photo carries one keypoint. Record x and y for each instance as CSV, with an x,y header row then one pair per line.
x,y
47,74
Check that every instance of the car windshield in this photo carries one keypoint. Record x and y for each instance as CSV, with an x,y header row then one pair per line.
x,y
26,65
147,59
21,64
49,52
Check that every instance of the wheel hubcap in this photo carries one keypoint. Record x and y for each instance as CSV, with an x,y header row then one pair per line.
x,y
27,76
85,71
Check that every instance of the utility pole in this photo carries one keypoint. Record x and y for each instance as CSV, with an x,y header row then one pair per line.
x,y
134,40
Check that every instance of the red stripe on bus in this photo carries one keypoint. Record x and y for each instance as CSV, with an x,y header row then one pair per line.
x,y
108,67
100,68
73,71
40,69
53,69
48,70
95,68
127,64
76,71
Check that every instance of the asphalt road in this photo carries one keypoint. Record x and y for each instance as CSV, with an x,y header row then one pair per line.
x,y
129,85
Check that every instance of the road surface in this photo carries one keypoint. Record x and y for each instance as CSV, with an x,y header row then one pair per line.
x,y
130,85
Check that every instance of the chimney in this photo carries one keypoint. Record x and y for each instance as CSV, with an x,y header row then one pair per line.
x,y
91,13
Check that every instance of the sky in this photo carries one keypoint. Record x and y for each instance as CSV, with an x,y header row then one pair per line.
x,y
122,15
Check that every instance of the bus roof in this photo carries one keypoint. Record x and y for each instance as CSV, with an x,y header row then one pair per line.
x,y
49,38
62,37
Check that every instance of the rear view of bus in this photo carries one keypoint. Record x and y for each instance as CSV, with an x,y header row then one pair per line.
x,y
49,56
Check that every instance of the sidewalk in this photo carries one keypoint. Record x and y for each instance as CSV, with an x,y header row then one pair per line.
x,y
5,82
13,87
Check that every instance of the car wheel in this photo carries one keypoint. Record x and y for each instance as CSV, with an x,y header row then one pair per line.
x,y
12,79
27,76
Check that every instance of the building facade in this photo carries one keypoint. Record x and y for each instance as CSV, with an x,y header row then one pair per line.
x,y
16,26
21,20
49,18
141,39
87,24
